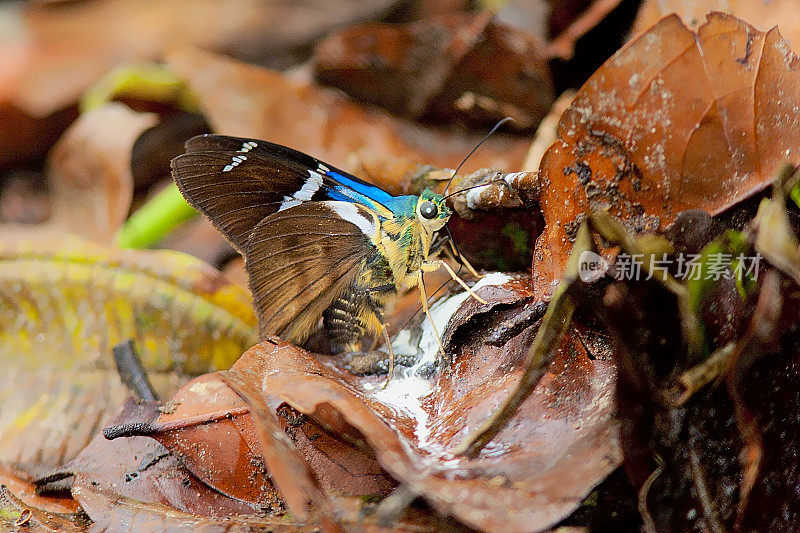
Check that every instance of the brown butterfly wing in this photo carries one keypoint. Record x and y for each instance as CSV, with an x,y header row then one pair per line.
x,y
301,259
237,182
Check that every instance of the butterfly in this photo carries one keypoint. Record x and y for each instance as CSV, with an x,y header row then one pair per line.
x,y
320,245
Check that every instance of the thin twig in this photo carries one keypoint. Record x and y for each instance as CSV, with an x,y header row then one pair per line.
x,y
703,373
647,518
706,500
132,373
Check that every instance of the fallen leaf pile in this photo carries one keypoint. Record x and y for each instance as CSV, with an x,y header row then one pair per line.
x,y
582,391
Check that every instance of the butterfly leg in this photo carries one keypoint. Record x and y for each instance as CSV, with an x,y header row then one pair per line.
x,y
463,260
375,307
430,266
423,296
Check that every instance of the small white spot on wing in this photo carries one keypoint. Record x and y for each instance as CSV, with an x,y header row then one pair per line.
x,y
323,168
234,162
350,213
249,145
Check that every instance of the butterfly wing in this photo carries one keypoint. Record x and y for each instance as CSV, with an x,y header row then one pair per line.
x,y
300,260
237,182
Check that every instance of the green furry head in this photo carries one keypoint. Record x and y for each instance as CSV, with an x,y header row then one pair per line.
x,y
432,211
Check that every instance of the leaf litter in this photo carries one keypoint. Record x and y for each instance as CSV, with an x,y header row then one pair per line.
x,y
543,394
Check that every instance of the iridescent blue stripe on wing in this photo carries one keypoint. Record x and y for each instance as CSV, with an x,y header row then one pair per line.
x,y
370,191
369,195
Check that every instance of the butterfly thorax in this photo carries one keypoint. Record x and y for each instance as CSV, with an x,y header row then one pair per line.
x,y
406,245
401,244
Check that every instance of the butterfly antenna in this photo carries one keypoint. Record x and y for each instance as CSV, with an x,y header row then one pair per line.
x,y
484,184
494,129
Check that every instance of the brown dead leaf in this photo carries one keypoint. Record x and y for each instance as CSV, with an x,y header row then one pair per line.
x,y
763,15
71,45
453,66
199,420
19,515
137,480
561,443
253,102
22,487
90,172
675,120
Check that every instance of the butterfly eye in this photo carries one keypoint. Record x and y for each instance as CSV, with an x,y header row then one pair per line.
x,y
428,210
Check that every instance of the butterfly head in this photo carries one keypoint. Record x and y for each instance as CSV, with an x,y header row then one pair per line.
x,y
432,211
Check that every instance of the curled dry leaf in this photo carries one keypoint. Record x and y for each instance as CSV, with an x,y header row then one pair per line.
x,y
90,172
452,66
19,515
23,489
136,481
253,102
561,443
675,120
65,304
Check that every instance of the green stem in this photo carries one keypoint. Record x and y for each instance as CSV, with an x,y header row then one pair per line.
x,y
155,219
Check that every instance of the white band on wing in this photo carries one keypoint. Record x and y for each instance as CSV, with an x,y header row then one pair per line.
x,y
309,188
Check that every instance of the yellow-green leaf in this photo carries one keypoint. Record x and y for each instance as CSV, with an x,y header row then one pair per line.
x,y
69,302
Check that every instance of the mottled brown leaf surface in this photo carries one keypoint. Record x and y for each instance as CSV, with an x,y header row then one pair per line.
x,y
20,484
560,444
136,481
447,67
675,120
